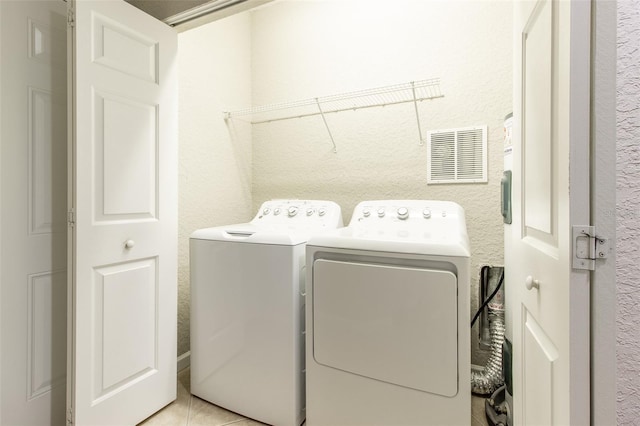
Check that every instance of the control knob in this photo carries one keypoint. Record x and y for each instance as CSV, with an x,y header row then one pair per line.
x,y
292,211
310,212
403,213
321,211
381,212
366,212
426,213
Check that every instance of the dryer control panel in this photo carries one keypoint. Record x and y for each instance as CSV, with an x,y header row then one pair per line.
x,y
307,213
425,222
416,211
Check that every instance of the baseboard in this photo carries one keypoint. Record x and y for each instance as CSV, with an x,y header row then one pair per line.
x,y
184,360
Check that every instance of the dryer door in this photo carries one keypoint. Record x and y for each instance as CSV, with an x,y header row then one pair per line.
x,y
390,323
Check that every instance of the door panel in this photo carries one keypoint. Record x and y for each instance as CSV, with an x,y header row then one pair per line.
x,y
46,333
127,351
47,160
537,149
124,49
124,284
33,227
125,130
539,354
548,301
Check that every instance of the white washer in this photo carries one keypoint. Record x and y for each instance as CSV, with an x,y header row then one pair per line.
x,y
247,310
388,318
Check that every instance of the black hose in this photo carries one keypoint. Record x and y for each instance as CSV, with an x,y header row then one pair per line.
x,y
488,299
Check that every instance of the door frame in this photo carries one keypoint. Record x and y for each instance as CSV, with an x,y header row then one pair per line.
x,y
581,33
71,199
603,212
603,209
1,210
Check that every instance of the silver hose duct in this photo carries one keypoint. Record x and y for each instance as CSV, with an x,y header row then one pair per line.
x,y
489,378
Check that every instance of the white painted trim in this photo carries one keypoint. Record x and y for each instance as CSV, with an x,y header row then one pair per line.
x,y
209,12
603,213
184,361
201,10
71,201
0,214
580,201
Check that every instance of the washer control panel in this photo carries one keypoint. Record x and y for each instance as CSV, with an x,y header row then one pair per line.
x,y
299,212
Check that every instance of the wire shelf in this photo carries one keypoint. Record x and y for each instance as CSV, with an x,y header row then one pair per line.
x,y
415,91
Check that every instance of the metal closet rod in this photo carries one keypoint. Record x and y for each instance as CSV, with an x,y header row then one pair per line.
x,y
414,91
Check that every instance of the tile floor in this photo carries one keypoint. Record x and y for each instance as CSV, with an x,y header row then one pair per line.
x,y
189,410
478,417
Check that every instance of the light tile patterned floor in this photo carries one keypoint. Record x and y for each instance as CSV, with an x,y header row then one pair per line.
x,y
478,417
188,410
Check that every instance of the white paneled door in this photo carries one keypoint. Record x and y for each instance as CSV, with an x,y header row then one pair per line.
x,y
122,354
547,299
33,217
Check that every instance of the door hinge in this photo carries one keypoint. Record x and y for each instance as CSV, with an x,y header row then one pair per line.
x,y
588,247
69,416
71,218
71,17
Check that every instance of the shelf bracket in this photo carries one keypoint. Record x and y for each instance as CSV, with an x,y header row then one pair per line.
x,y
335,149
415,105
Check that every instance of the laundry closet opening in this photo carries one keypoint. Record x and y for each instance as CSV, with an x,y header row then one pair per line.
x,y
290,51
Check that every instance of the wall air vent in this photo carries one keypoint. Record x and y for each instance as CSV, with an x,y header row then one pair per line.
x,y
457,155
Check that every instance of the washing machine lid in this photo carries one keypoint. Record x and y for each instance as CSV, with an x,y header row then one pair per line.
x,y
402,226
253,234
280,222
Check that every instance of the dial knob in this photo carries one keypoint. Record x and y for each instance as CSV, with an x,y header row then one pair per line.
x,y
292,211
266,211
381,212
366,212
321,212
403,213
426,213
276,211
310,212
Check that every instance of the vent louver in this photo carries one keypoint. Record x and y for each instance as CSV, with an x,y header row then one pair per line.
x,y
457,155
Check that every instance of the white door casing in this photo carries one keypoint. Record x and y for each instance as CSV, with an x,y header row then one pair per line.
x,y
123,318
1,269
33,197
548,320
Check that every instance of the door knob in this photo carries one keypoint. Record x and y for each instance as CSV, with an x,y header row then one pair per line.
x,y
129,244
531,283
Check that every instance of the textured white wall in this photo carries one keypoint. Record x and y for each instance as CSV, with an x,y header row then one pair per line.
x,y
215,160
628,212
303,49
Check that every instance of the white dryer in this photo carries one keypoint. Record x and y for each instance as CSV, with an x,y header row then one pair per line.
x,y
247,310
388,318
